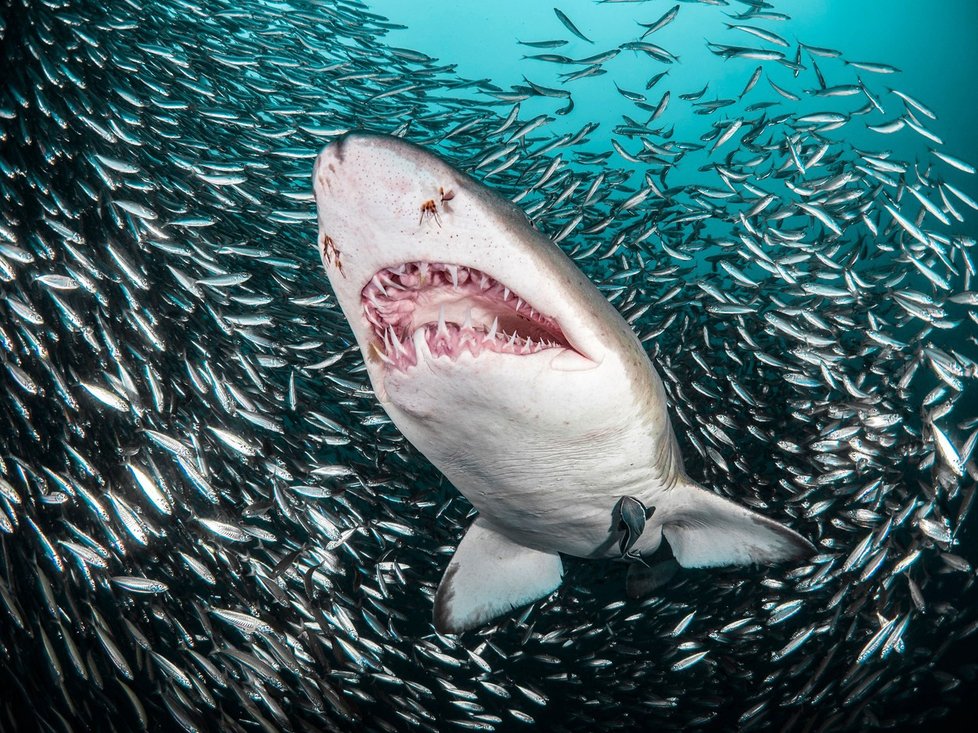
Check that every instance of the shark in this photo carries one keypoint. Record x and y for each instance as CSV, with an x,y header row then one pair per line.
x,y
502,363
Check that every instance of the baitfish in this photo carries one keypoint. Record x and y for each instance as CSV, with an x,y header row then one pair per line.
x,y
505,366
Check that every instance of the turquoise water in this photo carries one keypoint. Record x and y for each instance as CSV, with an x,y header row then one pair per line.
x,y
933,44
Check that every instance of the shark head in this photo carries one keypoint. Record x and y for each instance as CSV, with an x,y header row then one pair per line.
x,y
467,317
429,265
505,366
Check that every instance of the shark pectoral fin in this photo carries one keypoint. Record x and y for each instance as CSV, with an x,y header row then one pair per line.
x,y
490,575
706,530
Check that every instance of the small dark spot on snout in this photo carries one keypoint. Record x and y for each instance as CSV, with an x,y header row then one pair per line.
x,y
338,146
319,170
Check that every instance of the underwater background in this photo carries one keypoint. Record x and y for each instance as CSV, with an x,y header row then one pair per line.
x,y
207,522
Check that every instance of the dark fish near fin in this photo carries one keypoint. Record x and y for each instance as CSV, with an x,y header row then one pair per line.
x,y
628,517
642,579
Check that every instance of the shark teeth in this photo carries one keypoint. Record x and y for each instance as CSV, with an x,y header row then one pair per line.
x,y
457,340
442,326
452,309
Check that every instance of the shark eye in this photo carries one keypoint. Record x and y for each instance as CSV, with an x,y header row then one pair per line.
x,y
457,309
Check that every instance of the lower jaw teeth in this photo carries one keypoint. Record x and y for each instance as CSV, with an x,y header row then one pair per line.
x,y
451,340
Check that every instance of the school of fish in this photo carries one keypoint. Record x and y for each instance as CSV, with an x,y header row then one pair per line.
x,y
207,522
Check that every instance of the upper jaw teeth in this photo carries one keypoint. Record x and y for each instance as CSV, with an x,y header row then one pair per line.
x,y
399,304
442,326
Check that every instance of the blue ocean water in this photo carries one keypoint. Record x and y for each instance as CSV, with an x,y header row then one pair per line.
x,y
933,45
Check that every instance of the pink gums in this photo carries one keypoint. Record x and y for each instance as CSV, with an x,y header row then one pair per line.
x,y
459,308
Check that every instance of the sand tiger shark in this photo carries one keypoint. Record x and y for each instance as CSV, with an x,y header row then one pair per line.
x,y
504,365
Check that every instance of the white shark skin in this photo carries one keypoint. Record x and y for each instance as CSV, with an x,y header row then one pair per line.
x,y
543,445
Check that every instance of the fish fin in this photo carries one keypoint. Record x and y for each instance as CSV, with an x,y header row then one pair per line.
x,y
489,576
641,579
706,530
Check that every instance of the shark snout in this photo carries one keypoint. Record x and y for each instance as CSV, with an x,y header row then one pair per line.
x,y
378,175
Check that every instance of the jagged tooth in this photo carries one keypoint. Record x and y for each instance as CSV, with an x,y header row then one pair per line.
x,y
483,281
453,271
512,340
397,343
419,340
467,323
374,317
519,304
442,326
505,293
384,357
492,329
528,346
379,285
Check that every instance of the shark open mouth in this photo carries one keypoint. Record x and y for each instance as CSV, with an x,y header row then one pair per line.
x,y
457,309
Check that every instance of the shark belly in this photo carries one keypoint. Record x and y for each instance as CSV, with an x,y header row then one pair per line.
x,y
543,458
546,495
